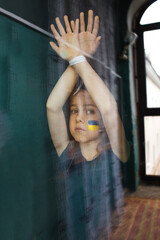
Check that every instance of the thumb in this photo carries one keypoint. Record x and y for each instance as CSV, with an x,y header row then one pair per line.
x,y
54,46
98,39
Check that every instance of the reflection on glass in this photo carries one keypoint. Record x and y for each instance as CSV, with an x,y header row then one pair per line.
x,y
152,56
151,15
152,143
91,144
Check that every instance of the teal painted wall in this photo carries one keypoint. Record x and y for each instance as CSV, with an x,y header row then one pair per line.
x,y
35,11
27,186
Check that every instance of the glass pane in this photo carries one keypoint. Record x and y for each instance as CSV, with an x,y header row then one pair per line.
x,y
152,56
152,14
152,143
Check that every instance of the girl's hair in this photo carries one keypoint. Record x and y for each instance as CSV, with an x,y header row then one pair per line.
x,y
78,87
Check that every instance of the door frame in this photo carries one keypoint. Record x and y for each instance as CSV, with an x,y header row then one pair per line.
x,y
141,89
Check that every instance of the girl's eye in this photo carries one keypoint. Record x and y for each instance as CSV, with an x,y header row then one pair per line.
x,y
89,111
73,111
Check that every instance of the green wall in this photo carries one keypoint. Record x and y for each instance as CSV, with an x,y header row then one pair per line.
x,y
35,11
27,186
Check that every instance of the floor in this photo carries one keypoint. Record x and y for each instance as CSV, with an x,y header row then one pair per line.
x,y
145,191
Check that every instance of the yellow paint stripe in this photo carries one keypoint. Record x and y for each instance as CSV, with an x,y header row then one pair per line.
x,y
93,127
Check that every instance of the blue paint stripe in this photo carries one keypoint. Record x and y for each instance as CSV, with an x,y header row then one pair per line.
x,y
92,122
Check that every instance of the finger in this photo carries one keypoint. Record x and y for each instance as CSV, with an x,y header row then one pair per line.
x,y
90,21
68,28
72,25
76,29
60,27
96,25
98,40
82,23
54,46
54,31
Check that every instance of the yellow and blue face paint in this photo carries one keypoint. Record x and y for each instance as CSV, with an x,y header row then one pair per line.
x,y
93,125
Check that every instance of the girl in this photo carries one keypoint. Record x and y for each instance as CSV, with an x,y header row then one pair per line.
x,y
92,182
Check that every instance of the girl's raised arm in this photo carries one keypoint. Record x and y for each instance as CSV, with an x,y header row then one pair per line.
x,y
64,86
102,96
55,114
107,106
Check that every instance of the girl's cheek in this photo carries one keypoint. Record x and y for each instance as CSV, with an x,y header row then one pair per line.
x,y
93,125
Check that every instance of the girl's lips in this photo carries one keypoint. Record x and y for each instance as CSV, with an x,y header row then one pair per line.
x,y
79,129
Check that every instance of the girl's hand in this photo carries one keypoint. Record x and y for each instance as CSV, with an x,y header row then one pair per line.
x,y
88,39
68,43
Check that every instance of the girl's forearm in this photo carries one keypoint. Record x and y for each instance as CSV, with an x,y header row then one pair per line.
x,y
62,90
96,87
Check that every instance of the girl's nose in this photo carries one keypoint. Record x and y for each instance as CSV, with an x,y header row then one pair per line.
x,y
80,118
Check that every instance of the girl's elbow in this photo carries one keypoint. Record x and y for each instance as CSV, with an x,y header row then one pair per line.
x,y
50,107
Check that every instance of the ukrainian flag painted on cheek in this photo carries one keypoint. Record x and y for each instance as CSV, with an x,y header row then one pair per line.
x,y
93,125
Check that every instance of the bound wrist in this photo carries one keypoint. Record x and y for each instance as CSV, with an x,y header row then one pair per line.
x,y
77,60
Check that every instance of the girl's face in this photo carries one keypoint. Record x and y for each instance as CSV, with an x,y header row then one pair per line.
x,y
82,110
